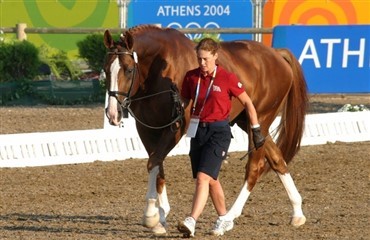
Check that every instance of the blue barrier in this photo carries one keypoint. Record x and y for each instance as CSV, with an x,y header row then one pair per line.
x,y
335,59
194,14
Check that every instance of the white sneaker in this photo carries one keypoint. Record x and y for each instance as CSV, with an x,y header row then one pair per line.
x,y
187,227
222,226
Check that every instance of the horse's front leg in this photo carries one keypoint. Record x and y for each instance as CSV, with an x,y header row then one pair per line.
x,y
155,213
158,206
151,211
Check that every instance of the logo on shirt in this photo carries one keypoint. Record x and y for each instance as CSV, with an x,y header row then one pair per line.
x,y
240,85
216,88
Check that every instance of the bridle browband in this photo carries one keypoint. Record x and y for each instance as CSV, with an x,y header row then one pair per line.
x,y
125,104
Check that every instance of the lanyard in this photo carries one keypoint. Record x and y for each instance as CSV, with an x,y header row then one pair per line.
x,y
207,94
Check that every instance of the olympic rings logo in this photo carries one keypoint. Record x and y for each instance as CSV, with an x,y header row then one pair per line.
x,y
194,25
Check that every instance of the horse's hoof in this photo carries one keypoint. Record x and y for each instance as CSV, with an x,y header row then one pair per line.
x,y
298,221
159,229
151,221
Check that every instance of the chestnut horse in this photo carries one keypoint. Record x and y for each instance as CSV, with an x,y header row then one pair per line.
x,y
144,71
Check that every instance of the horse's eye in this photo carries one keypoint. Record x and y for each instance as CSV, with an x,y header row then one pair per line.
x,y
129,70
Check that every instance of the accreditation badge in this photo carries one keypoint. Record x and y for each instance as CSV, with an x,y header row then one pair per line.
x,y
193,126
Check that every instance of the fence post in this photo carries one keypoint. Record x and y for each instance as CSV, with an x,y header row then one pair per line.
x,y
258,17
21,34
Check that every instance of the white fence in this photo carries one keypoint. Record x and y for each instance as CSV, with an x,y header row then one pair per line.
x,y
52,148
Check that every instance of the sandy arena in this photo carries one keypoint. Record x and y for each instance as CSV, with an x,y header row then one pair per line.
x,y
105,200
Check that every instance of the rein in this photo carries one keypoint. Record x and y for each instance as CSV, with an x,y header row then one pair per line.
x,y
177,106
125,104
273,132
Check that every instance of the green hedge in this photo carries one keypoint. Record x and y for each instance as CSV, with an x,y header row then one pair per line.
x,y
52,92
20,76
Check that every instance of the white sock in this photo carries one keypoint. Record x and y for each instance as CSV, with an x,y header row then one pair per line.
x,y
224,217
193,220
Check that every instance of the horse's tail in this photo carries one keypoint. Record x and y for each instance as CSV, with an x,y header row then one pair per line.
x,y
291,127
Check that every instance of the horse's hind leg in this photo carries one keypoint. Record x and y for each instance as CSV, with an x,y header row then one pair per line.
x,y
277,163
254,169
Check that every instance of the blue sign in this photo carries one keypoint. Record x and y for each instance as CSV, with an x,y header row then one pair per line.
x,y
335,59
194,14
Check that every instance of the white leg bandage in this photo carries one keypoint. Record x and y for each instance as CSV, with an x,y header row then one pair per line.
x,y
152,184
151,212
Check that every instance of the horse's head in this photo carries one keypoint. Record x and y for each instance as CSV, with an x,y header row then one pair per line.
x,y
121,72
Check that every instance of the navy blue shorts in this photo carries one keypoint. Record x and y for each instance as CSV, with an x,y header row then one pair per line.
x,y
209,147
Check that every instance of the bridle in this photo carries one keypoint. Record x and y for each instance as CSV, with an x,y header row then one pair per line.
x,y
115,94
178,109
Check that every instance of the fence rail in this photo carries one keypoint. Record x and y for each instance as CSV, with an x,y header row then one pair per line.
x,y
22,30
45,30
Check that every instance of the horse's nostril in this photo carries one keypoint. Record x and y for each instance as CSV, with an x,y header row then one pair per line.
x,y
106,113
119,116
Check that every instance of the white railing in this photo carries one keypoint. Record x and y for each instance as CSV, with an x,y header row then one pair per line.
x,y
67,147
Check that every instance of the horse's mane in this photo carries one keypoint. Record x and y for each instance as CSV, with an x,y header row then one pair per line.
x,y
147,28
143,28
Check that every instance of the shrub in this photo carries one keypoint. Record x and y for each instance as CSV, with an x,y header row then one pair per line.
x,y
214,36
18,60
60,66
92,49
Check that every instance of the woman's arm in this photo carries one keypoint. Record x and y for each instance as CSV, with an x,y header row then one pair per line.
x,y
249,108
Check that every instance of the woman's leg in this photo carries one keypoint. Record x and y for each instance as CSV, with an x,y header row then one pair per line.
x,y
201,194
218,197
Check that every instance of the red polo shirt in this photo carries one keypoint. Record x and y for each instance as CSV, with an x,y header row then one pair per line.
x,y
218,103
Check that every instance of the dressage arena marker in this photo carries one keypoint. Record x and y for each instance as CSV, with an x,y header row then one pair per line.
x,y
113,143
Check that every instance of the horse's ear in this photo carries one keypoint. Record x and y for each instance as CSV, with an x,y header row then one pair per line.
x,y
108,40
129,40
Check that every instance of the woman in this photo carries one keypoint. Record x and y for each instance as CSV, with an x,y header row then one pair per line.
x,y
211,88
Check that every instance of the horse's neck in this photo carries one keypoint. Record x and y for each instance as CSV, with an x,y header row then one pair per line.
x,y
157,72
165,59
